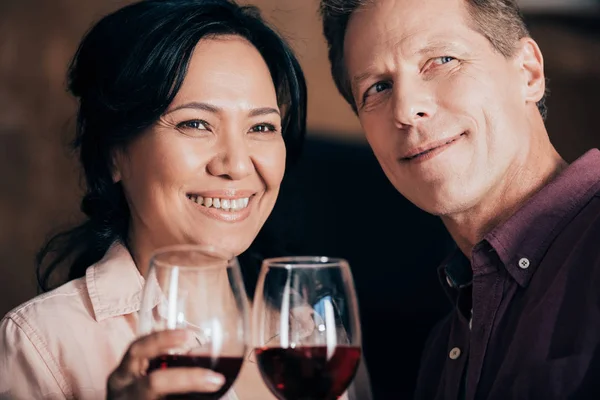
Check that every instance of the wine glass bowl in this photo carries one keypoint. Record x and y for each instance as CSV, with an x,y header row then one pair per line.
x,y
200,289
306,328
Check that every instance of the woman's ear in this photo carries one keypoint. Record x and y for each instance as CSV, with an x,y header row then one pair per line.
x,y
532,64
116,165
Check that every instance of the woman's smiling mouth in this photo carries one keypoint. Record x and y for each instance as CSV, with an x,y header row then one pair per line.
x,y
227,206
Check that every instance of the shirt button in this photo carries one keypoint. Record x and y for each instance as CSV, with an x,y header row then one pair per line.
x,y
524,263
454,353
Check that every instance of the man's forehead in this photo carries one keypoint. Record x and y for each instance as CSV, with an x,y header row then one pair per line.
x,y
438,41
374,33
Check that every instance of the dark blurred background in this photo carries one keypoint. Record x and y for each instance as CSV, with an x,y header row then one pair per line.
x,y
338,200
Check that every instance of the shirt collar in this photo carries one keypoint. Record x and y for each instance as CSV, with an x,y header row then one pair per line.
x,y
455,273
522,241
114,284
456,270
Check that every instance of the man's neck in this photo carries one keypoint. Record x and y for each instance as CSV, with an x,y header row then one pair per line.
x,y
469,227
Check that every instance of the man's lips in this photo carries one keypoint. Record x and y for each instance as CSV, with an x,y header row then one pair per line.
x,y
429,148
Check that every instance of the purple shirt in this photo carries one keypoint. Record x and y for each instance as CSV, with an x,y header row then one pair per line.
x,y
533,285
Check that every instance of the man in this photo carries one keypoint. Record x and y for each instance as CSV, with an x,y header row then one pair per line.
x,y
450,94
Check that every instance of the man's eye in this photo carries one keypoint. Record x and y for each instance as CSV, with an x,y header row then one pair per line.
x,y
193,124
443,60
377,88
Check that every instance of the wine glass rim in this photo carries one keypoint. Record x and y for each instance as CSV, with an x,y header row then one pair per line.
x,y
305,262
181,248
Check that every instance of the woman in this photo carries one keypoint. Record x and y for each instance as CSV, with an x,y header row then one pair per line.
x,y
189,111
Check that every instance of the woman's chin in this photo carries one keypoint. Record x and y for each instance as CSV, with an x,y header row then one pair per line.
x,y
233,246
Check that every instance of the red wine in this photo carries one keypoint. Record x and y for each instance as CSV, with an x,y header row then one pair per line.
x,y
229,367
305,373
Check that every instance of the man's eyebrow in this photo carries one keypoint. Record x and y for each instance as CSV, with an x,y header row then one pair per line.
x,y
439,48
358,79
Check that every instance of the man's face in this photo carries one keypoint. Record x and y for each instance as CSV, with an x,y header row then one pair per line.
x,y
446,115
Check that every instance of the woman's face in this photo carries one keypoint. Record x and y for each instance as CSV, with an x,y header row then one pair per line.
x,y
209,171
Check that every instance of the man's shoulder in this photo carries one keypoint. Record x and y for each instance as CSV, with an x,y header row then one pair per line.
x,y
587,220
597,193
577,246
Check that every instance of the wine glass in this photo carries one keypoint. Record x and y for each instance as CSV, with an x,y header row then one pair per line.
x,y
198,288
306,328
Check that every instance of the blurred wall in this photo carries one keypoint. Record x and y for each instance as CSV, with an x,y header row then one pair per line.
x,y
38,178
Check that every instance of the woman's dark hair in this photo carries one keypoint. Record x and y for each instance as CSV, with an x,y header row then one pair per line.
x,y
125,73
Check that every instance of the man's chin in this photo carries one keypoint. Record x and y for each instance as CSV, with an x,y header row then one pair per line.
x,y
443,205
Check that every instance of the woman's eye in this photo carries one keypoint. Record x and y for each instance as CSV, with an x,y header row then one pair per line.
x,y
377,88
263,128
193,124
443,60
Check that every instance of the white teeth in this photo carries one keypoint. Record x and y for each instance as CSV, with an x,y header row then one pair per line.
x,y
224,204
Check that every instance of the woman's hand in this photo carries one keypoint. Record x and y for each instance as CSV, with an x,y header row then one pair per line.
x,y
130,380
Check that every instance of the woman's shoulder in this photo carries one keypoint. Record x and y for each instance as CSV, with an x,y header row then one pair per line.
x,y
107,287
35,334
47,335
50,309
